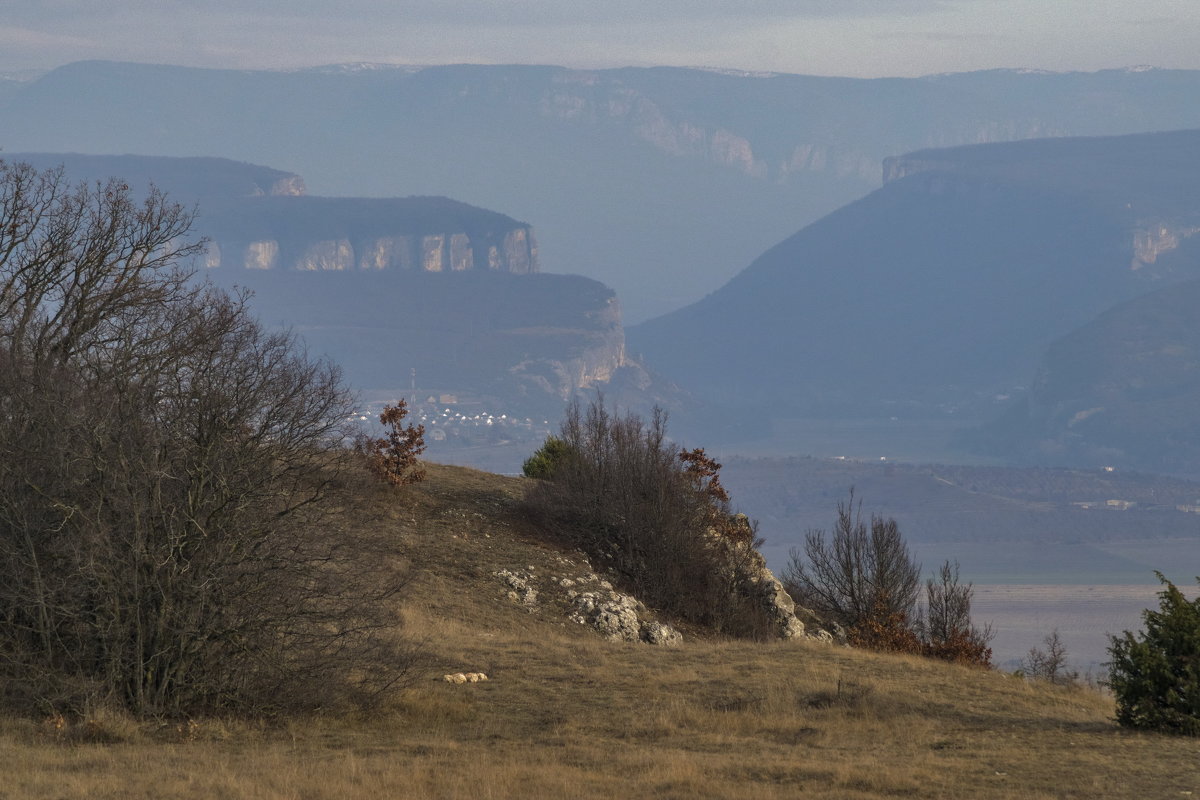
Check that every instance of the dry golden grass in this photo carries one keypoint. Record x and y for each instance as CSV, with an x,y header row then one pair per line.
x,y
567,715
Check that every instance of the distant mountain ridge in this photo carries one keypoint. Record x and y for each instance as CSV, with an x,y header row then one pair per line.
x,y
658,181
942,289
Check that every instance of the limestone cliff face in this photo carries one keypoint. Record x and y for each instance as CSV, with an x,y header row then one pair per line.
x,y
450,251
330,254
1150,240
664,116
807,157
259,255
386,252
289,186
596,354
580,96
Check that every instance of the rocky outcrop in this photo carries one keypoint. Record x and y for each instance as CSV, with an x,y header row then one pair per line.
x,y
808,157
590,601
521,586
897,167
288,186
591,365
517,254
748,571
614,615
1152,240
433,253
386,252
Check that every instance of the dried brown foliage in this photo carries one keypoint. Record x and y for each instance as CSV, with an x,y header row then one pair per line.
x,y
394,458
885,630
704,473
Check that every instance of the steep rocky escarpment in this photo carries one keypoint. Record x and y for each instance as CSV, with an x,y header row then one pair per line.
x,y
429,234
257,217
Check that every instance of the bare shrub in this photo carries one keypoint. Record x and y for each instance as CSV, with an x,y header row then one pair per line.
x,y
660,519
945,628
1049,664
163,460
865,579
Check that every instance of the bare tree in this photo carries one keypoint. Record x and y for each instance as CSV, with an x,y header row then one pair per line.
x,y
856,574
162,457
1049,664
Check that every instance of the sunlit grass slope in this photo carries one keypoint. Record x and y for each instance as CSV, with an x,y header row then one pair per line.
x,y
566,714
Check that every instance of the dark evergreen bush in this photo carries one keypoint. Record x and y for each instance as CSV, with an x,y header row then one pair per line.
x,y
1155,674
543,463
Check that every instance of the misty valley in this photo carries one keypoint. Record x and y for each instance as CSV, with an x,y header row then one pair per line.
x,y
1023,303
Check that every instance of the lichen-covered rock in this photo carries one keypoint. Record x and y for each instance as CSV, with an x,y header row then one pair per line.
x,y
521,586
748,569
821,635
778,605
660,634
613,615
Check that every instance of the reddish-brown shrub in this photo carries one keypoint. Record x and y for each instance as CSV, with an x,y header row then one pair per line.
x,y
394,458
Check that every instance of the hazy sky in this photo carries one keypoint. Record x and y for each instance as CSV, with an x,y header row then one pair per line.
x,y
828,37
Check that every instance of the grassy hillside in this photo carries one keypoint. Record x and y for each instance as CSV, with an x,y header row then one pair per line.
x,y
567,714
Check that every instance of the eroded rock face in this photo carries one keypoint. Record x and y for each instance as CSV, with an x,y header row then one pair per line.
x,y
519,252
779,606
462,257
615,616
289,186
436,252
1151,240
261,255
386,252
433,253
764,589
331,254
